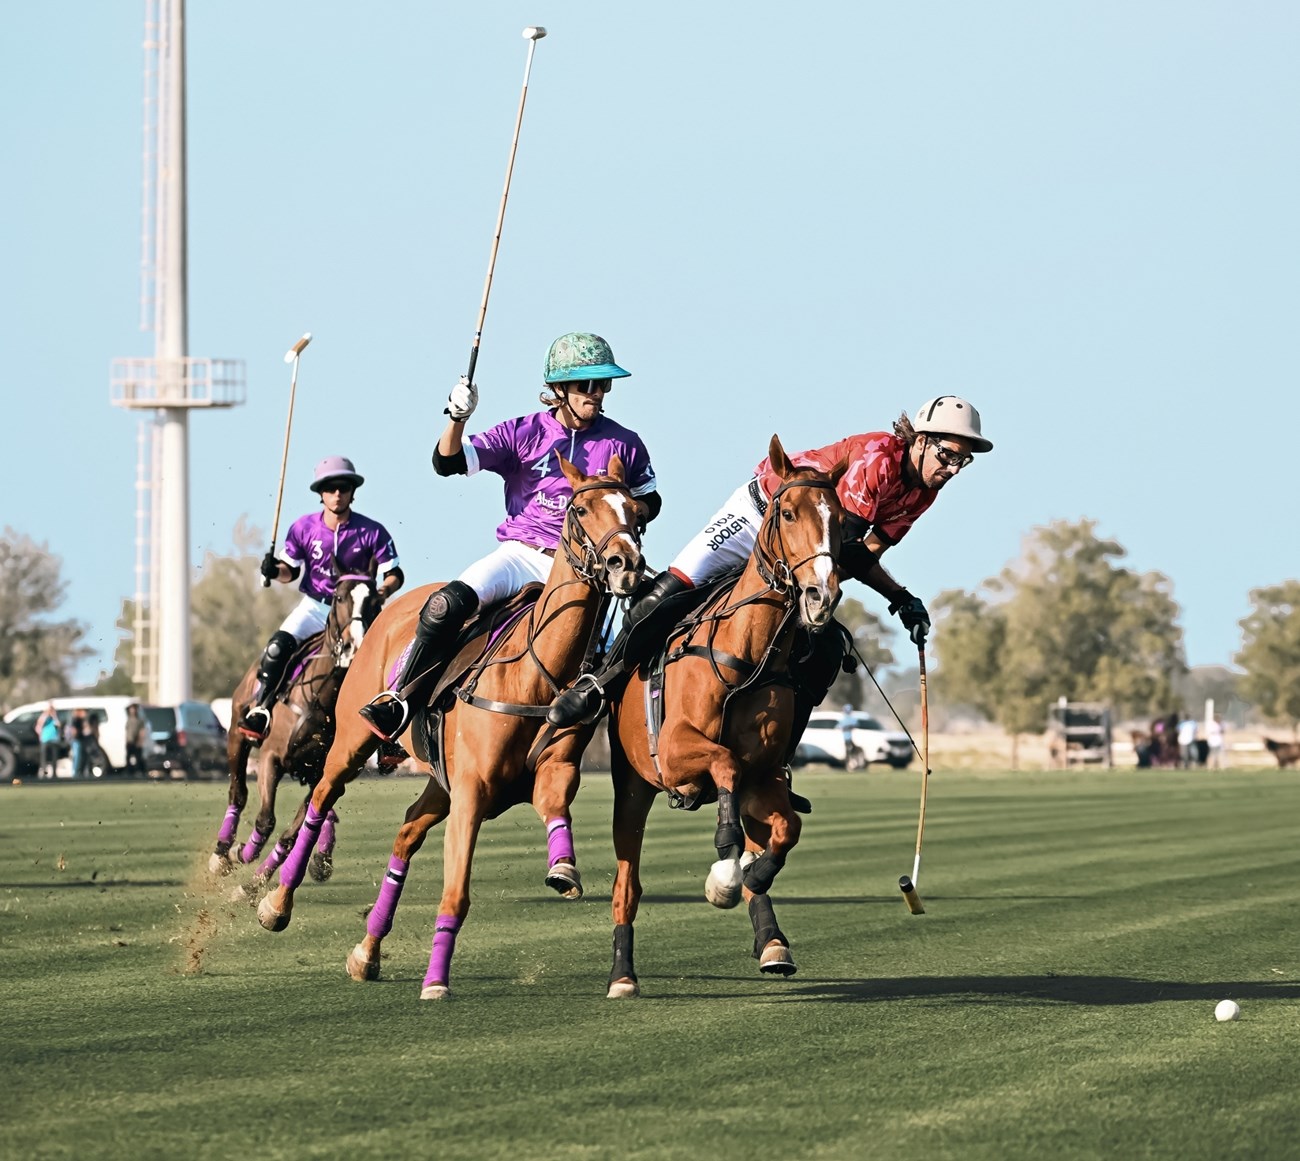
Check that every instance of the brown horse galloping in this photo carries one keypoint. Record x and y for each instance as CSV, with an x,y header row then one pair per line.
x,y
302,728
493,732
727,714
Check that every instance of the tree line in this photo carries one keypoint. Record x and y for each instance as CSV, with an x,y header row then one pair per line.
x,y
1066,618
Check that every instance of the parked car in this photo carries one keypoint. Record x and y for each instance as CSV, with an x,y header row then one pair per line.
x,y
13,760
823,743
186,741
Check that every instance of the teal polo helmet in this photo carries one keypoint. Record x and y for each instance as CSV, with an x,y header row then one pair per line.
x,y
581,356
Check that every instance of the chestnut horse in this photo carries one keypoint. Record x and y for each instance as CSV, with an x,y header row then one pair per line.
x,y
728,705
496,748
302,728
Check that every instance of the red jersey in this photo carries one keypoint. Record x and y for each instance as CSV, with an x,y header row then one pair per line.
x,y
873,487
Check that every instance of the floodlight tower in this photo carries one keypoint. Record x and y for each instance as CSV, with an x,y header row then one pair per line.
x,y
171,384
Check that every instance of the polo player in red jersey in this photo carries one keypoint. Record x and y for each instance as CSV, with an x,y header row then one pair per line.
x,y
891,480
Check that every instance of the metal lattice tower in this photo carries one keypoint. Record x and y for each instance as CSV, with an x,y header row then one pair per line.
x,y
169,385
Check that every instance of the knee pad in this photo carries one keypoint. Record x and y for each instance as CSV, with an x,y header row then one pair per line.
x,y
278,648
453,603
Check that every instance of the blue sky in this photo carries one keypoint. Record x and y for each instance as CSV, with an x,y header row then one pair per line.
x,y
1082,216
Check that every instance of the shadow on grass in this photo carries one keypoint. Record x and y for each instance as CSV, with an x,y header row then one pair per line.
x,y
1091,991
98,884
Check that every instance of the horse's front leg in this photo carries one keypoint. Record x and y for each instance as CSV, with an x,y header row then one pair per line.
x,y
772,828
722,888
422,816
469,806
237,748
554,788
353,744
270,769
633,797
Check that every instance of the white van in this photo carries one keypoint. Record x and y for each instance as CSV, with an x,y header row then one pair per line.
x,y
111,713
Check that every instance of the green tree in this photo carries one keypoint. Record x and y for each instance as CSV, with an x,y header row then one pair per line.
x,y
1064,620
37,655
1270,652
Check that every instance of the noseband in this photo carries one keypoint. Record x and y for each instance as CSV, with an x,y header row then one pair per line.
x,y
585,555
356,617
776,571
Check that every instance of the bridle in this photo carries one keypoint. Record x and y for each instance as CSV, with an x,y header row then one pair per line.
x,y
770,555
354,630
585,555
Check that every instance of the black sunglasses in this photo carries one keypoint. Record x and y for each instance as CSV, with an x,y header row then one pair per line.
x,y
336,486
950,458
591,386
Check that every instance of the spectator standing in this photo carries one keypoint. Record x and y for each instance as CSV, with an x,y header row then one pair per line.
x,y
50,733
1214,739
75,732
91,751
1187,743
135,736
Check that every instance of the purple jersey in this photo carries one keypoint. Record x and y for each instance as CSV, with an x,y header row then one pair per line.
x,y
325,553
523,452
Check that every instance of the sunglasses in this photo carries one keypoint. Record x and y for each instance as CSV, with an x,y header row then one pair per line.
x,y
336,486
950,458
592,386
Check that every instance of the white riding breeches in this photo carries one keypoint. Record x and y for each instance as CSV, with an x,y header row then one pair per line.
x,y
725,542
504,572
306,618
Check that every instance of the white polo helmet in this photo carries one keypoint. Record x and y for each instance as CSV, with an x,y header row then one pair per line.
x,y
951,415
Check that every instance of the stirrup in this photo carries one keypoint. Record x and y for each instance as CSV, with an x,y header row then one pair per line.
x,y
256,723
378,715
574,707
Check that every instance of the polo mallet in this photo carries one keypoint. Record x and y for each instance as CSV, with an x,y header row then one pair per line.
x,y
292,355
532,35
905,884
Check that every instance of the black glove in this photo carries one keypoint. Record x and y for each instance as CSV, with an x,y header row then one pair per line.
x,y
270,566
912,612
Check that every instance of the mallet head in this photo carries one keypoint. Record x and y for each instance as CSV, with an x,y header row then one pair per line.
x,y
534,32
910,897
297,349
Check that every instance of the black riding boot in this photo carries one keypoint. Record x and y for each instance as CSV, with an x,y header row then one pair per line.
x,y
641,632
256,722
443,616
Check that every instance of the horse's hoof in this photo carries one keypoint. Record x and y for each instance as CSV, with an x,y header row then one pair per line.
x,y
623,989
435,992
320,867
776,960
722,887
220,864
360,968
270,917
564,878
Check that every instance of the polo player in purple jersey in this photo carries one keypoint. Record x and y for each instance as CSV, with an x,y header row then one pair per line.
x,y
524,452
321,546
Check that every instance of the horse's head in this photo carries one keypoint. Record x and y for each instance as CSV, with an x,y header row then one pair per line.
x,y
356,604
602,529
799,541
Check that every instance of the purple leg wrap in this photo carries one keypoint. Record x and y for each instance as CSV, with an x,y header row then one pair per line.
x,y
295,866
444,943
229,825
559,842
380,920
253,848
326,844
273,860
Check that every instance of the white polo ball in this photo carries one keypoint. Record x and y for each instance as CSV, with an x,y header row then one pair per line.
x,y
1226,1010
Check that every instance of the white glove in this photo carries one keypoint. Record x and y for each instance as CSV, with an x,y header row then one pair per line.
x,y
462,400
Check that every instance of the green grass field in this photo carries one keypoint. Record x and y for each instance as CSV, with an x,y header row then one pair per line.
x,y
1056,1000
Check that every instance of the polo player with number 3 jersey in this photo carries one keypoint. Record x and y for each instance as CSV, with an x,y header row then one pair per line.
x,y
525,452
892,479
320,547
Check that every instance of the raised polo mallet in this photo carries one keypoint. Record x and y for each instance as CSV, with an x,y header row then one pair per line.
x,y
905,884
532,34
292,355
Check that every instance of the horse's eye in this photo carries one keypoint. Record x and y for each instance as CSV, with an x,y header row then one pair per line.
x,y
579,510
787,515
